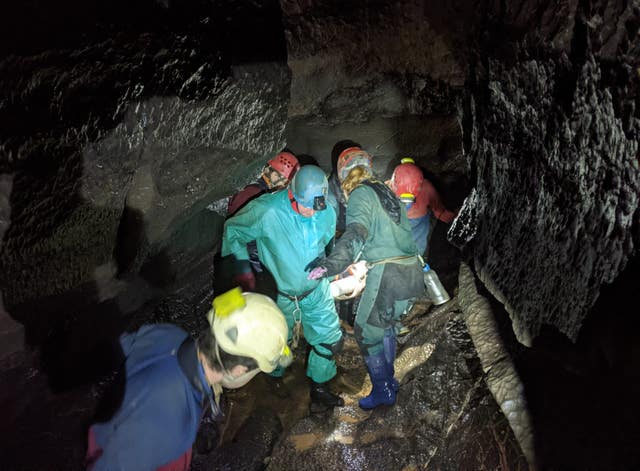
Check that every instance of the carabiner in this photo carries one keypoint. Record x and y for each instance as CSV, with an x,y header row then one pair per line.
x,y
297,324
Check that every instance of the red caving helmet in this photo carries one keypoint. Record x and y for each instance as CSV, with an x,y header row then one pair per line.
x,y
286,164
407,179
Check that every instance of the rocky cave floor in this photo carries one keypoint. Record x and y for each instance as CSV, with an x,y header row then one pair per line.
x,y
263,426
583,402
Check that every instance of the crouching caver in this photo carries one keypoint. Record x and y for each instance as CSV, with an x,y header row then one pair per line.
x,y
292,227
171,379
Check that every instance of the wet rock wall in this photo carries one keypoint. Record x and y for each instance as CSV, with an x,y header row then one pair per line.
x,y
120,123
11,332
547,99
551,132
120,129
361,71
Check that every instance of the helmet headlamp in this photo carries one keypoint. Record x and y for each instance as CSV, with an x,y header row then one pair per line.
x,y
319,203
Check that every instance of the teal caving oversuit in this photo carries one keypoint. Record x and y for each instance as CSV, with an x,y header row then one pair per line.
x,y
287,242
378,231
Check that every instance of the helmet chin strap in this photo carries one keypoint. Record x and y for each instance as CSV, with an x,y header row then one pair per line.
x,y
232,382
294,204
266,175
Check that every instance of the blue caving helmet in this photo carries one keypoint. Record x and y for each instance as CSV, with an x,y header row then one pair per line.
x,y
309,187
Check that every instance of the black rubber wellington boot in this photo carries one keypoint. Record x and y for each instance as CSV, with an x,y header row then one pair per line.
x,y
322,396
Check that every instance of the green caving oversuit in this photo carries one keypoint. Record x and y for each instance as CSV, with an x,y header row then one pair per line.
x,y
377,225
287,242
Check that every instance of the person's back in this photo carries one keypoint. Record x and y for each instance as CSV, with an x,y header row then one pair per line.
x,y
336,197
138,436
170,378
378,232
421,199
248,193
428,200
389,234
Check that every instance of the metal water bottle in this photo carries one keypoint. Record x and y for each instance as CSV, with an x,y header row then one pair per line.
x,y
435,290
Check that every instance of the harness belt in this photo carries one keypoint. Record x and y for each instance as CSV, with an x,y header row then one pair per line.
x,y
400,260
298,297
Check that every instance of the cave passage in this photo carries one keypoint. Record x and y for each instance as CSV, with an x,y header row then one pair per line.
x,y
125,129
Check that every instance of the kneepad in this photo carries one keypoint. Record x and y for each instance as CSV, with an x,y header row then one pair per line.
x,y
334,347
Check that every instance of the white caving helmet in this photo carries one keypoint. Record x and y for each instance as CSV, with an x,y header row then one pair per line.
x,y
251,325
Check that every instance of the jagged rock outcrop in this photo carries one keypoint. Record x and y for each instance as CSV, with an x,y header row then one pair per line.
x,y
552,128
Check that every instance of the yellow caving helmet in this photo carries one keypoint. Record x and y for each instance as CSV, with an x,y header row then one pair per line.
x,y
251,325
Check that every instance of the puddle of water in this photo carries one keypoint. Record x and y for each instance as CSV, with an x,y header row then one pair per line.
x,y
344,439
305,441
351,419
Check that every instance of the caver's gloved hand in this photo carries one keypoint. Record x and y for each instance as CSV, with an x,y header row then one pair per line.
x,y
317,273
347,248
316,262
316,268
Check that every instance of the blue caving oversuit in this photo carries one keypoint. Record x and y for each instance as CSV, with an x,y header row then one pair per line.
x,y
287,242
162,407
420,230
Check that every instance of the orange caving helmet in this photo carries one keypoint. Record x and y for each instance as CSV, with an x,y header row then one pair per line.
x,y
351,158
406,180
286,164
